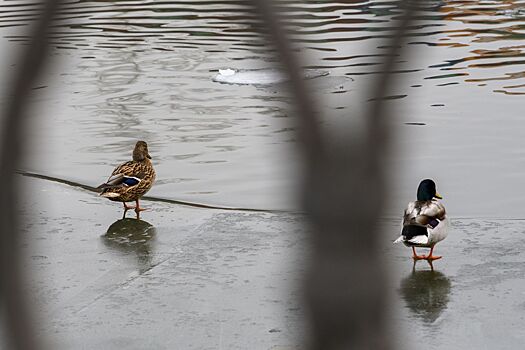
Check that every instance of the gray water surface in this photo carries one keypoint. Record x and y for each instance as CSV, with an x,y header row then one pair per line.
x,y
144,70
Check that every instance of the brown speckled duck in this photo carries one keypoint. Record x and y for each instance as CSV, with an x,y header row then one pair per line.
x,y
131,180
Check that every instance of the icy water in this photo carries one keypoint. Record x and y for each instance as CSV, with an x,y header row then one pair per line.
x,y
145,70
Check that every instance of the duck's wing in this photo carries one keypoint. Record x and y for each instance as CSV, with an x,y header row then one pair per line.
x,y
411,214
127,174
410,228
414,225
434,210
424,213
140,170
120,181
420,221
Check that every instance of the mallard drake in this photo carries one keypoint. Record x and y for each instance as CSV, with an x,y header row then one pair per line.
x,y
131,180
424,222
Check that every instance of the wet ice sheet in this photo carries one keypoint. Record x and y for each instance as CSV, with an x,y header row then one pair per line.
x,y
182,279
210,279
474,298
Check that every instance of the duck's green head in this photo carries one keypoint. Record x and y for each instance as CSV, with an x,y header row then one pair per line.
x,y
427,191
141,151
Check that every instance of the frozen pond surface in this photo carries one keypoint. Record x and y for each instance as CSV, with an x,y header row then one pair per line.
x,y
209,279
183,279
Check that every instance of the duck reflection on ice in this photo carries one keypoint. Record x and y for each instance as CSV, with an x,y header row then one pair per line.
x,y
132,237
426,293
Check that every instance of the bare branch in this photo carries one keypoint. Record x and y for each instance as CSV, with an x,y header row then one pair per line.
x,y
310,133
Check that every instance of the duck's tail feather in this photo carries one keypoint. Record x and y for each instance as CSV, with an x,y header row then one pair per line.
x,y
106,186
418,240
109,194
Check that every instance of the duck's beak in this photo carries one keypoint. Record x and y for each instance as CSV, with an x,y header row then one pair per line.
x,y
149,157
438,196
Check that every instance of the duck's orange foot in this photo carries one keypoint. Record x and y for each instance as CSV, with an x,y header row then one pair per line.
x,y
127,207
138,208
419,257
433,257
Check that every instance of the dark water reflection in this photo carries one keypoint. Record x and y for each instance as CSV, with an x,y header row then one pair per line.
x,y
132,237
219,26
426,293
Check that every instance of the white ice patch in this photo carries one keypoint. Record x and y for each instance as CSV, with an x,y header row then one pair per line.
x,y
259,76
227,72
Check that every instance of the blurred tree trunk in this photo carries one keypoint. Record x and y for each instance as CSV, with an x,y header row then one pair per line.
x,y
15,302
343,194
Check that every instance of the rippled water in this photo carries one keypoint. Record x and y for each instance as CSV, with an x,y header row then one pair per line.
x,y
128,70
